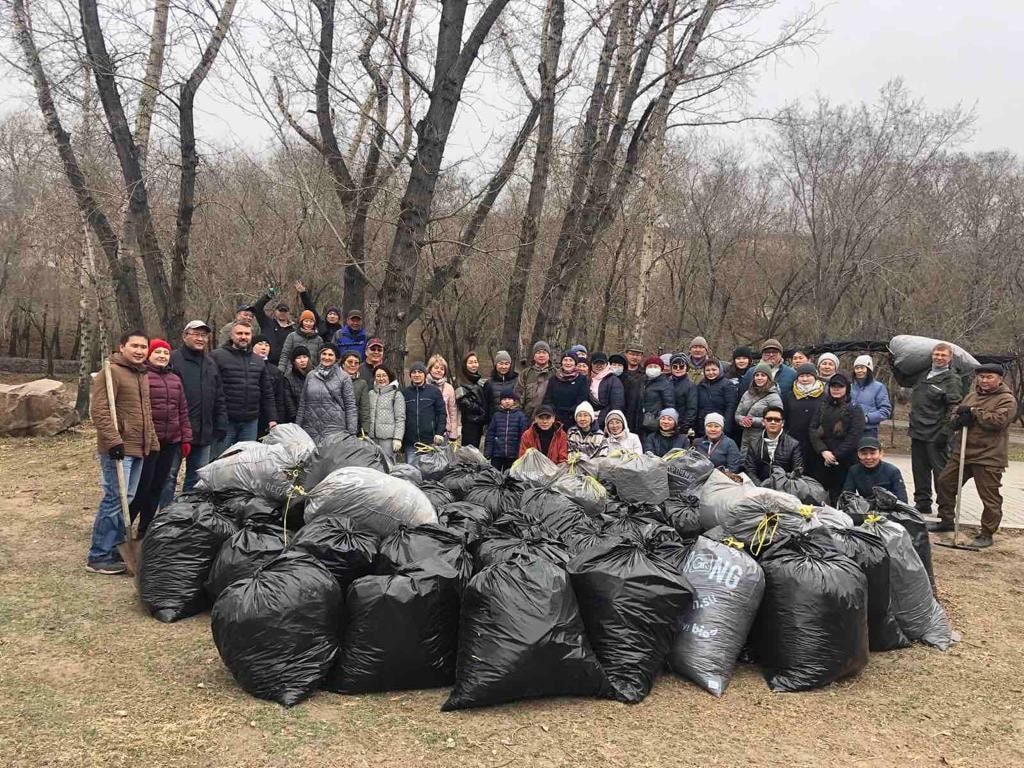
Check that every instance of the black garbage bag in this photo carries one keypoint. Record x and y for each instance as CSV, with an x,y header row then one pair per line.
x,y
177,554
687,471
439,495
582,488
854,505
918,613
533,468
461,476
408,546
629,519
499,497
465,517
867,549
407,472
375,501
886,503
637,478
517,523
812,627
246,509
242,555
556,512
521,637
762,518
341,449
346,551
728,585
401,631
683,514
805,488
278,631
501,547
630,601
577,542
432,460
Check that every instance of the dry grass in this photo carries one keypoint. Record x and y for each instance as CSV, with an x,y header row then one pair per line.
x,y
87,679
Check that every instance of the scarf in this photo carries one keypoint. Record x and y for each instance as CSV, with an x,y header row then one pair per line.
x,y
436,382
563,376
325,372
936,371
595,382
801,391
771,443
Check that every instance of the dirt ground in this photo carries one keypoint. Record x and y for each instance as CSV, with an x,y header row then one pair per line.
x,y
88,679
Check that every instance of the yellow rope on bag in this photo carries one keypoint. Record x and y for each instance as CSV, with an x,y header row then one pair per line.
x,y
806,510
571,461
426,448
729,541
675,453
764,533
873,518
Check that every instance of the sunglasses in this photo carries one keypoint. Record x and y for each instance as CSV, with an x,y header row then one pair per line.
x,y
375,348
678,366
772,419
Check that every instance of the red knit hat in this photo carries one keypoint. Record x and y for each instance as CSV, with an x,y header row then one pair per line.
x,y
158,344
652,360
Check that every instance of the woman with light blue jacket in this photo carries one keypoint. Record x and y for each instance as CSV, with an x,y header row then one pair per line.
x,y
870,395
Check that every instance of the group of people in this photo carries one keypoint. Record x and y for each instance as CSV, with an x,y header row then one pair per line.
x,y
750,414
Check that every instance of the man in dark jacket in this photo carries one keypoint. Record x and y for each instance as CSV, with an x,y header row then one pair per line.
x,y
633,384
204,394
351,337
261,348
248,392
425,415
374,357
782,374
871,472
772,448
932,403
685,393
277,327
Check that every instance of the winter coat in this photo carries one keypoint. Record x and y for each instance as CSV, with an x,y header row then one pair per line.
x,y
932,403
134,428
328,403
279,387
204,393
452,425
800,412
723,454
633,383
361,392
276,333
757,462
494,386
504,434
424,414
324,329
472,402
783,377
564,395
988,438
558,449
531,386
686,401
592,444
754,405
863,481
626,440
611,396
385,413
300,338
873,399
660,444
248,391
838,427
168,406
294,383
658,395
718,396
346,340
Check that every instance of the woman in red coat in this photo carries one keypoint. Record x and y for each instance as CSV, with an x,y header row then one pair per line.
x,y
173,429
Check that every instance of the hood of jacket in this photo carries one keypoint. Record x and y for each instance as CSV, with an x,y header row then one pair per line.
x,y
625,424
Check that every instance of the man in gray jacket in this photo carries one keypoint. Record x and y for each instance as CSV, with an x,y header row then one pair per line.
x,y
932,403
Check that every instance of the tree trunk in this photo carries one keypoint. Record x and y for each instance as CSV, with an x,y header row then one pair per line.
x,y
154,74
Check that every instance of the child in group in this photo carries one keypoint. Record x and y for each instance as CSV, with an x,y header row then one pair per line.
x,y
667,438
619,436
504,433
871,471
546,435
721,449
585,438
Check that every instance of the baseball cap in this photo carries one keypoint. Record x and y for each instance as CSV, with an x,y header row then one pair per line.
x,y
244,307
355,313
193,325
374,342
282,307
869,442
544,410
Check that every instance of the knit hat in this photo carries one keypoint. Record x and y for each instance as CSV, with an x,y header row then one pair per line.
x,y
652,360
307,315
570,354
617,359
806,368
995,368
282,307
335,310
699,341
743,352
599,357
420,366
541,346
679,357
299,350
666,359
508,394
158,344
669,412
714,418
839,380
502,357
771,344
576,349
828,356
259,339
866,361
763,368
585,407
869,442
633,348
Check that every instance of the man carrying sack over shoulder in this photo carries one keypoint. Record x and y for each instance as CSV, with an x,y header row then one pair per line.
x,y
986,413
128,440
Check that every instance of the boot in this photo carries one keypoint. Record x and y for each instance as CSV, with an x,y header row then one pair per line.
x,y
940,527
982,540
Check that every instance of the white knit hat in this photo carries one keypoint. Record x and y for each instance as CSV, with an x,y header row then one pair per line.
x,y
585,407
714,418
866,361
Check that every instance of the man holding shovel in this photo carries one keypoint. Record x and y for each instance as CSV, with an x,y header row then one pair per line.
x,y
123,441
984,417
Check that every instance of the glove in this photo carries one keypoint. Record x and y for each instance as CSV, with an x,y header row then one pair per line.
x,y
116,452
964,417
271,292
396,445
186,449
438,439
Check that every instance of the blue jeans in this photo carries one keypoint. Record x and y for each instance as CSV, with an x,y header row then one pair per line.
x,y
410,451
108,528
237,432
196,460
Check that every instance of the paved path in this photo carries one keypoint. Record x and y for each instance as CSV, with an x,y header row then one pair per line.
x,y
970,511
1016,436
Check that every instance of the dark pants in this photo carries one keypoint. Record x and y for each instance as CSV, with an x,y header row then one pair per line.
x,y
832,479
987,480
502,464
155,471
471,434
196,460
927,459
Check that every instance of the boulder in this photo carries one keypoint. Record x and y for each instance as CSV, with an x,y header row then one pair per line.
x,y
38,408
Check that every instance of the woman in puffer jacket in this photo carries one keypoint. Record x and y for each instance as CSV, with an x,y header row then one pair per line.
x,y
385,412
619,437
328,401
761,394
835,432
438,375
870,395
658,393
305,335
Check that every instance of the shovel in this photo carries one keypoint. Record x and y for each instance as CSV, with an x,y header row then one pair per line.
x,y
955,544
128,549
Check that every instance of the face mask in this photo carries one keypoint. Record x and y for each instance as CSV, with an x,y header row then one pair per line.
x,y
652,372
617,370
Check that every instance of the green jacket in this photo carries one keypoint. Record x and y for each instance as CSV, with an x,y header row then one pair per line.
x,y
932,404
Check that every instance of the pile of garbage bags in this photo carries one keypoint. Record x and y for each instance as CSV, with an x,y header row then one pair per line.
x,y
585,580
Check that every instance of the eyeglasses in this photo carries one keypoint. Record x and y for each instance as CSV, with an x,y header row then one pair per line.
x,y
678,366
772,419
375,348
